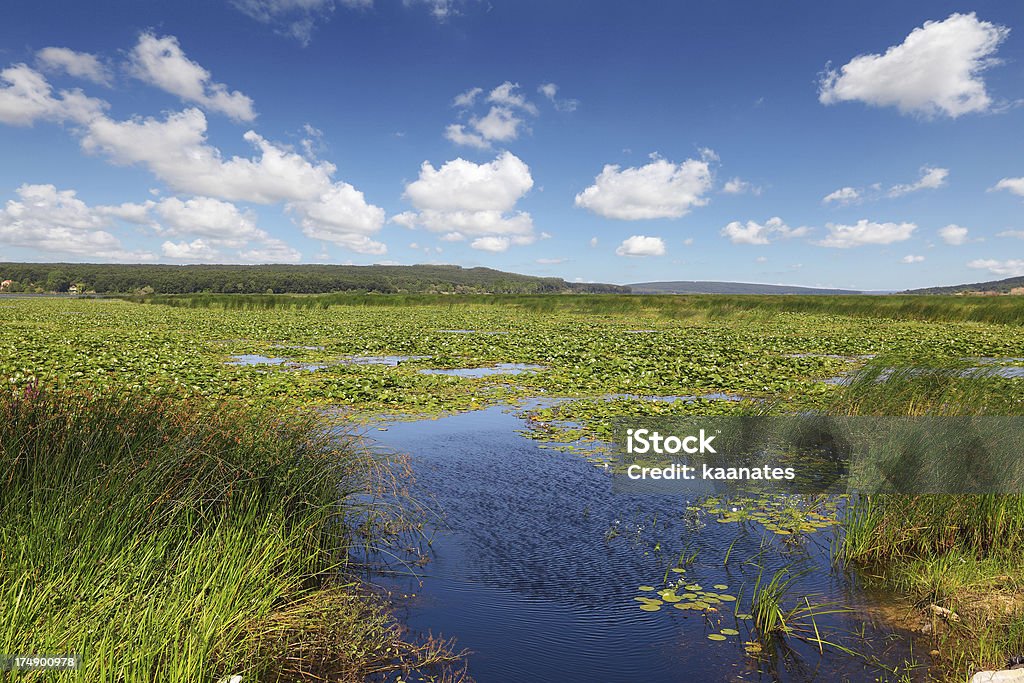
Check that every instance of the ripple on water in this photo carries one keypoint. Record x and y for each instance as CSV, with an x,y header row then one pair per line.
x,y
528,578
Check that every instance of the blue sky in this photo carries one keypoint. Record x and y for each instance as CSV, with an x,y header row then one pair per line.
x,y
866,145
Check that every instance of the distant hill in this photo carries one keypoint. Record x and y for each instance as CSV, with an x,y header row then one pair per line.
x,y
703,287
993,286
280,279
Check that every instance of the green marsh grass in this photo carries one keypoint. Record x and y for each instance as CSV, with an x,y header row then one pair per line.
x,y
960,552
185,542
988,309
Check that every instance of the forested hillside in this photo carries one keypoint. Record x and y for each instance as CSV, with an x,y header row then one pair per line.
x,y
278,279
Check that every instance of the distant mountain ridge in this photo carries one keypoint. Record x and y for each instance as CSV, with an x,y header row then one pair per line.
x,y
709,287
997,286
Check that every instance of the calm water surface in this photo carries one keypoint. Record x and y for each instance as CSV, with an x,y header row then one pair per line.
x,y
526,574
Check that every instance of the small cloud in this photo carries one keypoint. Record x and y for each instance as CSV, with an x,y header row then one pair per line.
x,y
844,195
491,243
757,233
953,234
1014,185
550,91
641,245
77,64
931,178
912,258
740,186
467,98
551,261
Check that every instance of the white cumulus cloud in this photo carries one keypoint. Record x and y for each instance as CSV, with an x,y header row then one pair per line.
x,y
26,96
912,258
176,151
953,234
503,121
196,250
77,64
1008,268
161,62
866,232
661,189
761,233
641,245
57,221
1014,185
210,218
342,215
463,199
937,69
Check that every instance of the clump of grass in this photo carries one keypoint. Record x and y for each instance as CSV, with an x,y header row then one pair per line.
x,y
774,621
169,541
960,552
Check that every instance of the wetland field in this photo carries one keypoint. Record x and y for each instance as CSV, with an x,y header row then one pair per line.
x,y
428,488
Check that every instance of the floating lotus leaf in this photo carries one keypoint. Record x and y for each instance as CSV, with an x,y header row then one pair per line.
x,y
688,596
672,598
693,587
645,588
678,570
727,598
730,632
650,608
716,636
720,586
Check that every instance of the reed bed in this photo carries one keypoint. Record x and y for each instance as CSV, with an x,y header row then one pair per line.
x,y
166,541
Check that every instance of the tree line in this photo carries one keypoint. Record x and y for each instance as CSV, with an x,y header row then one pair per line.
x,y
279,279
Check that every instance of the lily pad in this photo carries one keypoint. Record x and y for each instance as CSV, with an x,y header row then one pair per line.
x,y
716,636
730,632
650,608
